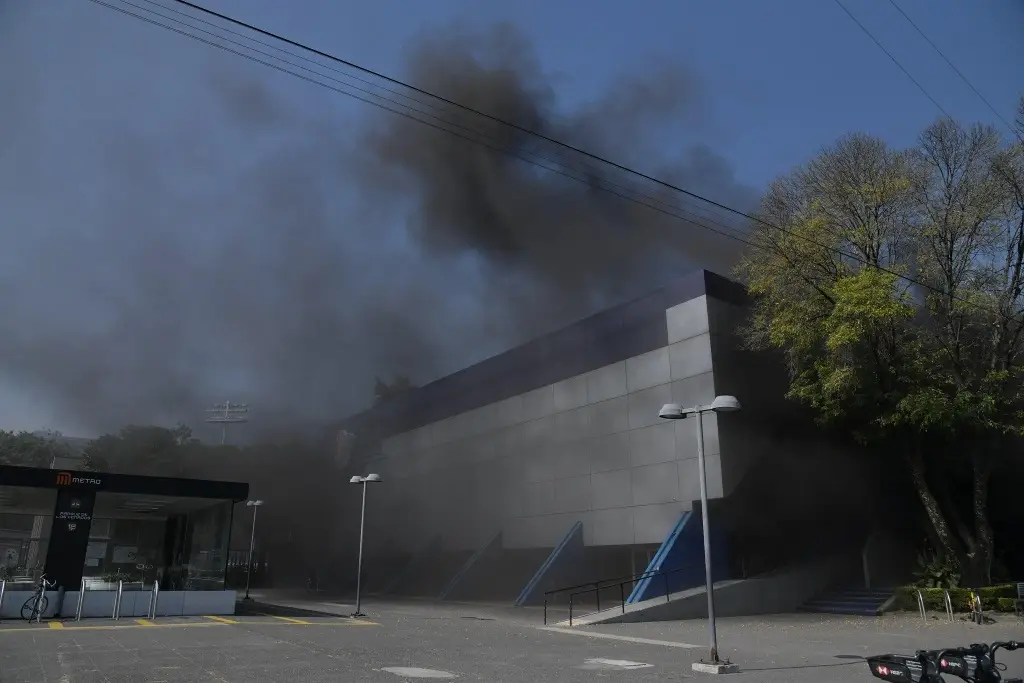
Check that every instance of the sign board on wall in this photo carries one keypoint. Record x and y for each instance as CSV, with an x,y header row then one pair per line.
x,y
96,550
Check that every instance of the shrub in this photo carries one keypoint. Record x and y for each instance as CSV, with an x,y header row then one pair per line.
x,y
993,598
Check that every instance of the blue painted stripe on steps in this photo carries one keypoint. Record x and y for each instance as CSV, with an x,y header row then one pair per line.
x,y
538,576
642,586
465,568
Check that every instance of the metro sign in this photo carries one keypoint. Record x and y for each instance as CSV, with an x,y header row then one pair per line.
x,y
65,479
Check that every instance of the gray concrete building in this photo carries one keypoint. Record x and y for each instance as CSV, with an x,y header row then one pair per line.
x,y
562,435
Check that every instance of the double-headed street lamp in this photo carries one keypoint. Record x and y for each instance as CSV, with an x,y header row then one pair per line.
x,y
368,479
252,543
674,411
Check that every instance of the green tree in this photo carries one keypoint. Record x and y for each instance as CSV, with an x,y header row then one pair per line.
x,y
932,371
30,450
145,450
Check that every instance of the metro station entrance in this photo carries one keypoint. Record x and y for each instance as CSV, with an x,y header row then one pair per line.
x,y
74,525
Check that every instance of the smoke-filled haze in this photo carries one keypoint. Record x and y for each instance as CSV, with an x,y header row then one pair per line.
x,y
181,226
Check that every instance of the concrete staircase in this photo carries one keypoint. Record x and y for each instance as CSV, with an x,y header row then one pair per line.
x,y
860,601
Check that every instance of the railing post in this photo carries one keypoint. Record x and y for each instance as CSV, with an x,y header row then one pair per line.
x,y
920,606
117,601
667,598
154,596
81,599
42,597
597,593
570,609
3,589
622,596
545,609
949,607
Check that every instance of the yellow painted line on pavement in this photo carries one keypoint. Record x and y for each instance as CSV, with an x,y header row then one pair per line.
x,y
215,621
291,621
109,627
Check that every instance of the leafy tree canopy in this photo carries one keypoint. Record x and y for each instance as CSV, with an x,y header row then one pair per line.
x,y
892,280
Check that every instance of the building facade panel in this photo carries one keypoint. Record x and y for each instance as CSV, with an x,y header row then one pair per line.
x,y
589,446
688,319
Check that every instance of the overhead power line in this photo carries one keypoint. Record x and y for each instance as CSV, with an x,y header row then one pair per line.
x,y
956,70
475,136
890,55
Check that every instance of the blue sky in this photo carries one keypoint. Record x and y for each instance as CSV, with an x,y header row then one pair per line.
x,y
781,79
784,77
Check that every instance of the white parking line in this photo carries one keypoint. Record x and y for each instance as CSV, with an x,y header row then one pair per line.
x,y
612,664
628,639
412,672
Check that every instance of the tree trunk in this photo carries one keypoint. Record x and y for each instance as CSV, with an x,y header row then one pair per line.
x,y
981,570
940,524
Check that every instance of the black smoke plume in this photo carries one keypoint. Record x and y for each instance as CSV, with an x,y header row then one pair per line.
x,y
183,227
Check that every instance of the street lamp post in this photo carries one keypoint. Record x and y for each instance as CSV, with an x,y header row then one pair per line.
x,y
363,481
252,544
673,411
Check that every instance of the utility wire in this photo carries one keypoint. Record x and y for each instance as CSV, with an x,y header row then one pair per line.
x,y
956,70
481,139
561,161
602,184
893,58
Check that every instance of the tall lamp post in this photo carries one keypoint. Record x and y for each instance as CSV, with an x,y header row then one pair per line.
x,y
363,481
674,411
252,544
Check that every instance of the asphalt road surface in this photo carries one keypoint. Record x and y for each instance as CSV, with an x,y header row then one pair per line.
x,y
411,641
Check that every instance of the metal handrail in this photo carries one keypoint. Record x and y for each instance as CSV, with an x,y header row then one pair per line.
x,y
606,583
597,586
81,600
154,597
117,601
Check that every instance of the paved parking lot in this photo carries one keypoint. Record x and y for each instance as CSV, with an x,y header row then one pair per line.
x,y
472,643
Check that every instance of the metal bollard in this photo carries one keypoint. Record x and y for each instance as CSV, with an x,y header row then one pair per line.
x,y
949,607
3,589
81,599
154,596
117,601
920,606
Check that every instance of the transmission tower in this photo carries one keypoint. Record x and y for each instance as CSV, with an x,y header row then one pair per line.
x,y
227,413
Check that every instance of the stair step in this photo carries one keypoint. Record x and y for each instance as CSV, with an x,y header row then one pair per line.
x,y
855,601
839,597
840,609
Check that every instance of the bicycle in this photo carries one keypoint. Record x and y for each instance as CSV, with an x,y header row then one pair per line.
x,y
36,604
975,663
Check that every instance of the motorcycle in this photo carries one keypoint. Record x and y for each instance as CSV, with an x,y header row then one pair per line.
x,y
975,663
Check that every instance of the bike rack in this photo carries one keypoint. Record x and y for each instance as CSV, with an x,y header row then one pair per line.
x,y
117,601
81,599
3,589
949,607
40,601
920,607
154,596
